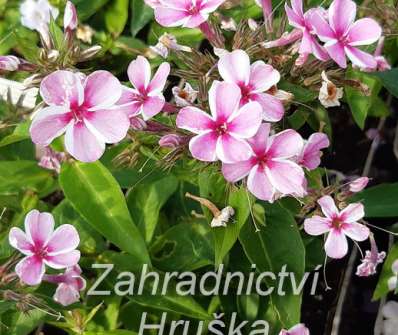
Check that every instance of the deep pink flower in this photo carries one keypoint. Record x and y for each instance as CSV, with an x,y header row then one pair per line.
x,y
70,17
338,224
223,134
302,23
299,329
146,97
253,80
84,108
358,184
43,246
343,34
69,283
9,63
186,13
271,169
310,157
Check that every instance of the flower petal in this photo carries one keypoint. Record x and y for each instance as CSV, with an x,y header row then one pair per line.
x,y
360,58
337,53
328,206
342,14
63,260
263,76
246,121
18,240
237,171
273,109
231,149
336,245
259,184
260,140
158,81
30,270
287,177
170,17
316,225
110,126
234,67
224,99
295,19
356,231
352,213
363,32
286,144
66,294
195,20
139,73
101,90
39,227
194,120
203,147
210,6
82,144
65,239
321,26
62,88
311,158
152,106
48,124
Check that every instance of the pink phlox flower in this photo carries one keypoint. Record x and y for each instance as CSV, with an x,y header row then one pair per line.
x,y
146,96
299,329
358,184
372,258
186,13
342,34
271,170
382,63
69,283
338,225
51,159
254,81
310,157
43,246
222,135
84,109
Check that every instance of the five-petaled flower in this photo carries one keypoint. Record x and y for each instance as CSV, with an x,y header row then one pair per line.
x,y
222,135
146,97
84,109
43,246
310,157
186,13
253,80
338,225
69,283
271,169
342,34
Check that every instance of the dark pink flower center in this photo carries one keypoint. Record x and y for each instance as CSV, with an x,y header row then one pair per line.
x,y
337,223
79,113
246,91
221,128
40,251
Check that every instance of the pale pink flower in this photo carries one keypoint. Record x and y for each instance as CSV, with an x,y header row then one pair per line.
x,y
223,134
153,3
303,31
299,329
43,246
253,80
36,14
168,42
50,159
372,258
392,281
9,63
70,17
338,225
343,34
84,109
146,98
358,184
184,96
69,283
186,13
271,169
267,12
310,157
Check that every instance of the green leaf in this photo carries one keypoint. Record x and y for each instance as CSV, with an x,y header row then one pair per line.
x,y
359,103
146,200
57,35
18,176
379,108
141,14
278,243
184,247
112,332
116,15
382,286
20,133
300,93
379,201
95,194
85,8
389,80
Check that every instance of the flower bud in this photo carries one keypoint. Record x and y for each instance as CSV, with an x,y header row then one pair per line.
x,y
90,53
9,63
70,17
358,184
171,141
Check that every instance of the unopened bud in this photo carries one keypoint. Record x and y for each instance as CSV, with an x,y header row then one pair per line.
x,y
90,53
70,16
9,63
171,141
